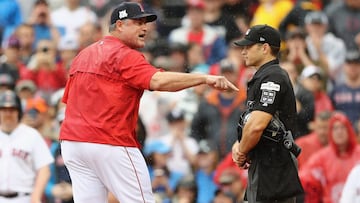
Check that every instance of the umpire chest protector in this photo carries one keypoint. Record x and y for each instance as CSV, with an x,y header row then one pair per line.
x,y
270,91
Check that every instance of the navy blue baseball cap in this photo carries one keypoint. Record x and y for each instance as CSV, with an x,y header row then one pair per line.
x,y
260,34
130,10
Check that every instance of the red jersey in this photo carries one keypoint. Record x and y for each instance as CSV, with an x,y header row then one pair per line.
x,y
102,94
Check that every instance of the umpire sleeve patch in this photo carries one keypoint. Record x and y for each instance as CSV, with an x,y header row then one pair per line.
x,y
268,92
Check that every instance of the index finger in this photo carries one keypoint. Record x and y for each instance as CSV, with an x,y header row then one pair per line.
x,y
232,86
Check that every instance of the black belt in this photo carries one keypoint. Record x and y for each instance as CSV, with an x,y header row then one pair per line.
x,y
13,194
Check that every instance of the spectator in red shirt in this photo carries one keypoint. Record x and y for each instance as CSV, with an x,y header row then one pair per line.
x,y
48,74
323,176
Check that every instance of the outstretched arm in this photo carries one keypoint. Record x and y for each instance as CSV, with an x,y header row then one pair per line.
x,y
174,81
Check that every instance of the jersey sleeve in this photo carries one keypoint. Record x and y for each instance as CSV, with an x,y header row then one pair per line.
x,y
42,154
270,93
136,71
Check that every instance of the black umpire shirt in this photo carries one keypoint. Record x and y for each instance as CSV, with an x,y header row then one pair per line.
x,y
272,173
270,90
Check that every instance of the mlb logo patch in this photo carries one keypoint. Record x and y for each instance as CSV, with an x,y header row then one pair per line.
x,y
123,14
268,92
267,97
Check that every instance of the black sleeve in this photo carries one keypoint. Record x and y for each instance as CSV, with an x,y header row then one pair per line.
x,y
271,90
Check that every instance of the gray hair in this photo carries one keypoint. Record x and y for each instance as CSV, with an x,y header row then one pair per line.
x,y
112,27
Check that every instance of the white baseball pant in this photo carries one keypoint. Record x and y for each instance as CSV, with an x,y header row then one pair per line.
x,y
96,169
20,199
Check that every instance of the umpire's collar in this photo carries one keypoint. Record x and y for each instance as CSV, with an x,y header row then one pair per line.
x,y
264,67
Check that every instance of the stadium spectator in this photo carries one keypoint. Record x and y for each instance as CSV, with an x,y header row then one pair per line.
x,y
70,17
207,160
184,148
41,21
219,113
305,101
316,140
325,50
324,174
345,95
197,31
312,78
344,21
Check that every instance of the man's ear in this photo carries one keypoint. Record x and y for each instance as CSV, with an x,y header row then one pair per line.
x,y
119,25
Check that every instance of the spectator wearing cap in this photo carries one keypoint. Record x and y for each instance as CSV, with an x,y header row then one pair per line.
x,y
232,182
207,160
163,180
219,112
10,60
183,148
214,46
35,114
345,95
312,78
324,48
186,190
6,82
305,101
226,173
26,90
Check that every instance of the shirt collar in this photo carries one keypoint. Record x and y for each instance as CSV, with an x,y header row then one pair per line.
x,y
264,67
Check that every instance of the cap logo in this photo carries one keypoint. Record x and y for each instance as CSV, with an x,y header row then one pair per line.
x,y
123,14
247,32
262,39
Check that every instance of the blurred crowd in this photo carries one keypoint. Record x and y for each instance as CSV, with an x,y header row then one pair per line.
x,y
187,135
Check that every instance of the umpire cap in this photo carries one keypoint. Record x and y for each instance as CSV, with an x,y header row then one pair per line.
x,y
260,34
9,99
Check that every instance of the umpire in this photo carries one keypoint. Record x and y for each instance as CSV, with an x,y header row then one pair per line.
x,y
273,175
